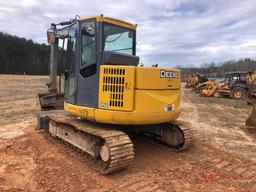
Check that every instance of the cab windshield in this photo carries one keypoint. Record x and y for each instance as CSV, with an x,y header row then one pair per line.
x,y
119,39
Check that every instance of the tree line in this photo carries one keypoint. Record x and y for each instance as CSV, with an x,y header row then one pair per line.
x,y
219,69
19,55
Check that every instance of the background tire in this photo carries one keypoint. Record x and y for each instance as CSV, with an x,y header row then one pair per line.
x,y
238,93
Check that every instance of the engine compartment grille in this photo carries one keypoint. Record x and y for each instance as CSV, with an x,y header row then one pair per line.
x,y
116,87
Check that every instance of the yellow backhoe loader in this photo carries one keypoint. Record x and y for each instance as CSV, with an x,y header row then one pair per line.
x,y
237,85
107,94
195,79
205,85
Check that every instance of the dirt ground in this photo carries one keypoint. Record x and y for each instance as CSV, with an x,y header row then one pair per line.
x,y
223,158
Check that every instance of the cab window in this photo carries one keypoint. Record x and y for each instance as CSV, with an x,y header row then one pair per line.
x,y
88,49
119,39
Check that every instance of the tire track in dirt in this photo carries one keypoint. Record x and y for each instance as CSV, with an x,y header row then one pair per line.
x,y
142,182
220,126
59,168
193,170
229,167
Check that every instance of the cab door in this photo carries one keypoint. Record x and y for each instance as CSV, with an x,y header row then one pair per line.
x,y
87,71
70,72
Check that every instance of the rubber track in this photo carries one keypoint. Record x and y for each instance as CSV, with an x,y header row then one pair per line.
x,y
120,146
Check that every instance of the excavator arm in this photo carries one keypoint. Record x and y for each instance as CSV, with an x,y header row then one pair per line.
x,y
54,98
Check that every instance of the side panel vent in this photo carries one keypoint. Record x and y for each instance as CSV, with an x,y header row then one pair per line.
x,y
116,87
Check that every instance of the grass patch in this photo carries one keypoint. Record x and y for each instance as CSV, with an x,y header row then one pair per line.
x,y
220,101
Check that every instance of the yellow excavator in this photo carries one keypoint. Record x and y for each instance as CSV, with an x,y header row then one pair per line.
x,y
107,94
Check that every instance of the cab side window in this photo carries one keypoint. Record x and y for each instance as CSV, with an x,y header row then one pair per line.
x,y
88,53
70,66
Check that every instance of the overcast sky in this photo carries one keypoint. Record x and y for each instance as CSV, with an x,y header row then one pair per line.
x,y
170,32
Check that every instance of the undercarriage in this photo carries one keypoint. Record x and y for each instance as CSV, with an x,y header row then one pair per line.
x,y
110,146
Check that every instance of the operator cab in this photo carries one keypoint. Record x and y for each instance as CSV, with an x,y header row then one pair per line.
x,y
238,77
91,42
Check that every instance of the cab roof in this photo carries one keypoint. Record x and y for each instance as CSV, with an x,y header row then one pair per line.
x,y
111,20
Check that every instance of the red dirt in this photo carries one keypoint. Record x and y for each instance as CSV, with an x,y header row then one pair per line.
x,y
223,158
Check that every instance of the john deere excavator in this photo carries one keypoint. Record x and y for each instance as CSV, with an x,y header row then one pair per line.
x,y
107,94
